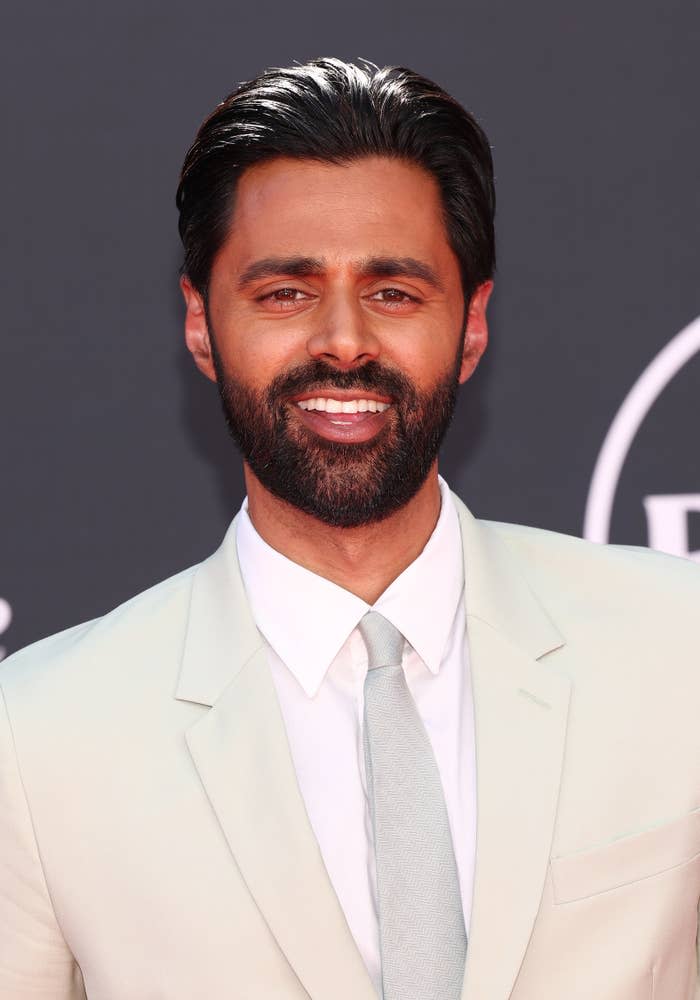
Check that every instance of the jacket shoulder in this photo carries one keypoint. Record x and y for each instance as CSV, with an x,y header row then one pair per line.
x,y
614,574
145,625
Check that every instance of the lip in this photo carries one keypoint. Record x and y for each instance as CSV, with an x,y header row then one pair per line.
x,y
348,428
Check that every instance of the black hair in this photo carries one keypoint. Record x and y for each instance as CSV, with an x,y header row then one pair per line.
x,y
333,111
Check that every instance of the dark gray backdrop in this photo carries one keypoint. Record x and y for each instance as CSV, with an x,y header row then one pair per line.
x,y
116,468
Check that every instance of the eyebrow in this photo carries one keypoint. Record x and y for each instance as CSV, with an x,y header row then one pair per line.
x,y
271,267
371,267
400,267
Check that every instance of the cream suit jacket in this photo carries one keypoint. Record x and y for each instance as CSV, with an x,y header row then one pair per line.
x,y
154,843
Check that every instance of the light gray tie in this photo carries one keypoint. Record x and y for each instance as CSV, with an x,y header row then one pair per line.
x,y
421,924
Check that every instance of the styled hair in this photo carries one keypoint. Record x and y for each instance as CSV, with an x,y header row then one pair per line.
x,y
336,112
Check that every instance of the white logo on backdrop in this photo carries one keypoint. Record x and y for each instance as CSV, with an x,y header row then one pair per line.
x,y
5,619
667,514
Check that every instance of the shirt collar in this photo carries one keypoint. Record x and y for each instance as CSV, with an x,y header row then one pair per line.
x,y
422,601
307,618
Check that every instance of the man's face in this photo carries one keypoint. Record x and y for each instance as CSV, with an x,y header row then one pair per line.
x,y
335,330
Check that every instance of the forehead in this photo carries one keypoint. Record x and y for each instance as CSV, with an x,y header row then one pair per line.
x,y
367,206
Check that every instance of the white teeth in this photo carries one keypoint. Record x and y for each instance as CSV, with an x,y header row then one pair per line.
x,y
343,406
313,404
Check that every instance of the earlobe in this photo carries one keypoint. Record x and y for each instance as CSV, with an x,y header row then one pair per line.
x,y
477,333
196,329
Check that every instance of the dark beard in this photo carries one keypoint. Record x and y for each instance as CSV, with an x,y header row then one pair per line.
x,y
343,485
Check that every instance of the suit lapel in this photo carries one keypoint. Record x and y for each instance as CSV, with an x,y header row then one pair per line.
x,y
520,708
242,756
520,726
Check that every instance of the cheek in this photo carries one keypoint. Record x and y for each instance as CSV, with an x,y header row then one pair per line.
x,y
254,351
426,361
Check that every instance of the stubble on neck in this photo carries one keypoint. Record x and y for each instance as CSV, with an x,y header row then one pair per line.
x,y
365,559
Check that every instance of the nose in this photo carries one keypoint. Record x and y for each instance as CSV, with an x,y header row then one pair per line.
x,y
342,334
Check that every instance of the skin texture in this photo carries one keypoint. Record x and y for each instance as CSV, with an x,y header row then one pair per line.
x,y
344,313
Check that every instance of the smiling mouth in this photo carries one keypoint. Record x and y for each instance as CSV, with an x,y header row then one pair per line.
x,y
352,419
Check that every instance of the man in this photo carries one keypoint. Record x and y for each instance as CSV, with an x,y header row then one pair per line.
x,y
372,746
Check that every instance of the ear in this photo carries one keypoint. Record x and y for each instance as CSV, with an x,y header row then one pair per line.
x,y
196,329
477,332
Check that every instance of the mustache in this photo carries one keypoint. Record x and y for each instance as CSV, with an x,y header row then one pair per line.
x,y
320,376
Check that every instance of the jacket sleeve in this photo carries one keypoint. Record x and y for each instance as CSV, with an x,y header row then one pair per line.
x,y
35,961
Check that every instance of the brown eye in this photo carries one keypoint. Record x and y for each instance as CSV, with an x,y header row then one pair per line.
x,y
283,297
394,296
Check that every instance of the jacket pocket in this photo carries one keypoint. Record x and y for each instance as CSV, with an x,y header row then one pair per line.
x,y
626,860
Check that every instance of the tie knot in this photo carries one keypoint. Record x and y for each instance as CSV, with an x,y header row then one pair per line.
x,y
383,640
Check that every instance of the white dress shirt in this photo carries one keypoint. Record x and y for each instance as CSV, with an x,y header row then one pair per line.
x,y
319,663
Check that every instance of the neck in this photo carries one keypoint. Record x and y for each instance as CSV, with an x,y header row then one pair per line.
x,y
363,560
